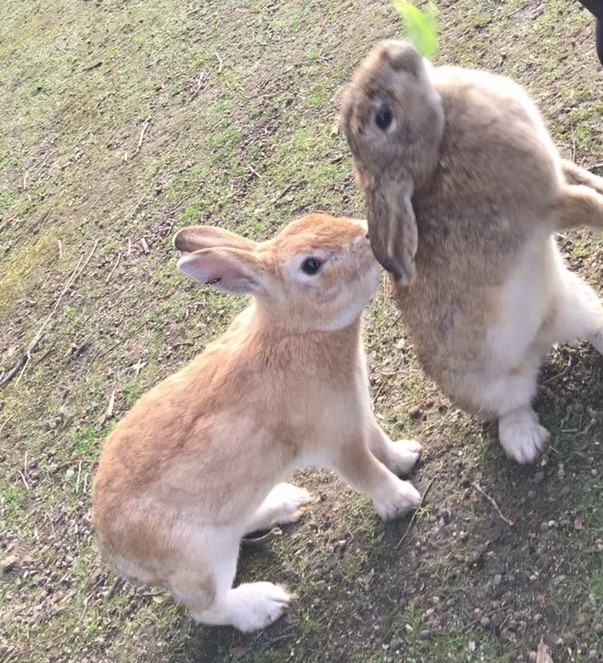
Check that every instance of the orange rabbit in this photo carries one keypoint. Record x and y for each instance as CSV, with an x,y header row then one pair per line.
x,y
197,462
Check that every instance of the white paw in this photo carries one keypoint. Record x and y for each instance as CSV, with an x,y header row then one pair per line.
x,y
256,605
403,456
522,437
285,503
400,498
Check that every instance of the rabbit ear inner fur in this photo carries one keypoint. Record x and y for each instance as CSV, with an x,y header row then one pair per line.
x,y
392,226
229,270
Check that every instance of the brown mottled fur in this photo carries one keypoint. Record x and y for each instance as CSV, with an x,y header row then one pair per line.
x,y
190,469
464,190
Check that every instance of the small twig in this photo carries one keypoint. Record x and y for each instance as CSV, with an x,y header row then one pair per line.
x,y
10,416
115,264
143,131
560,374
24,360
7,377
60,249
596,165
109,412
378,393
101,100
510,523
219,62
79,474
288,188
253,170
92,66
279,638
24,479
414,515
117,582
25,176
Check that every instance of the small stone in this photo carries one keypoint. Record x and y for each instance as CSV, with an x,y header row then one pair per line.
x,y
497,579
463,536
10,563
539,477
425,634
415,411
484,622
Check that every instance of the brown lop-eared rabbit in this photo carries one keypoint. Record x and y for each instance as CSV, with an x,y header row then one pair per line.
x,y
196,463
464,191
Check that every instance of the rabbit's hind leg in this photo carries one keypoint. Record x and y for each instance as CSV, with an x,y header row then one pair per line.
x,y
508,394
204,585
521,435
578,315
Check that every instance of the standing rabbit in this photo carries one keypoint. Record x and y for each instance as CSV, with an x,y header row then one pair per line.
x,y
197,462
464,190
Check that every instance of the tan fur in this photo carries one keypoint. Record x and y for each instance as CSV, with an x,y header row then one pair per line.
x,y
461,188
183,475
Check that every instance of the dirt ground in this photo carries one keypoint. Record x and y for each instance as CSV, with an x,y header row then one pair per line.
x,y
123,121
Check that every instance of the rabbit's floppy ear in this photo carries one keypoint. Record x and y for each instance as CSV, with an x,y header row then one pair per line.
x,y
392,226
195,238
229,270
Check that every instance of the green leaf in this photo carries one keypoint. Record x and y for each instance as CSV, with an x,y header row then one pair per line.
x,y
420,27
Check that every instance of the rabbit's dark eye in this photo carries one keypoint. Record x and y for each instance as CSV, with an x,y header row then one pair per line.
x,y
383,117
311,266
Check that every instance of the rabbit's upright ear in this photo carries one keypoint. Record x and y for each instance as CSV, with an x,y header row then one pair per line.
x,y
392,226
230,270
195,238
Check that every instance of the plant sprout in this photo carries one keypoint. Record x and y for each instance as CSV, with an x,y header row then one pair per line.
x,y
420,27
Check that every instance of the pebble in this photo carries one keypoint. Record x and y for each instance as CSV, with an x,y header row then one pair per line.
x,y
538,477
485,622
424,634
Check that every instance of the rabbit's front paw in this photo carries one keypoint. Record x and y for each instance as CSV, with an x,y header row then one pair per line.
x,y
403,456
400,498
522,437
256,605
284,504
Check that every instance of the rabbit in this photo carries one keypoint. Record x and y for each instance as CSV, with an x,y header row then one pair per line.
x,y
200,459
464,191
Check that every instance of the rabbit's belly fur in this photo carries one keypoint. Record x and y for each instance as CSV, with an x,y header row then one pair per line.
x,y
541,304
526,306
487,362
